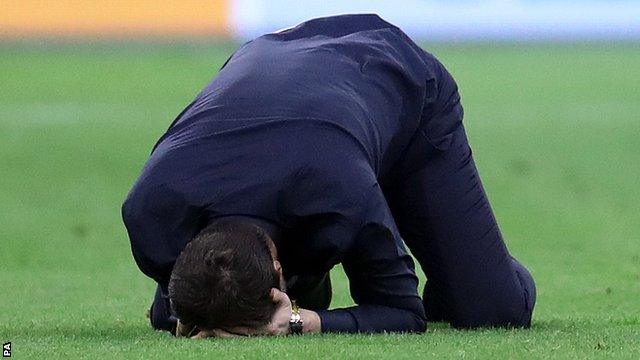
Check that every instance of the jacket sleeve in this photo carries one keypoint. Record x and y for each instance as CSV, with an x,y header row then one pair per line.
x,y
160,222
382,281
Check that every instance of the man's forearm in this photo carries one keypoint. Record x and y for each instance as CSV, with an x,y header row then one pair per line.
x,y
368,318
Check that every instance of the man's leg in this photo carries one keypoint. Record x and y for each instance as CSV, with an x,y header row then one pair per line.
x,y
445,218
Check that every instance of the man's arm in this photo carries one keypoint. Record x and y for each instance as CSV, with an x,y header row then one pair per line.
x,y
160,222
384,285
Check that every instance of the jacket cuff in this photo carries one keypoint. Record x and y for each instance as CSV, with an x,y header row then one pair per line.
x,y
339,320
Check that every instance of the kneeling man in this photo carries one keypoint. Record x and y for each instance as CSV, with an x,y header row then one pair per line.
x,y
334,142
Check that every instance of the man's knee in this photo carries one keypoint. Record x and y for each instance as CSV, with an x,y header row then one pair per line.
x,y
512,308
529,290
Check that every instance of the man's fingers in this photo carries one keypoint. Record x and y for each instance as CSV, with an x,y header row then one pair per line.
x,y
215,333
201,335
246,331
278,296
184,330
225,334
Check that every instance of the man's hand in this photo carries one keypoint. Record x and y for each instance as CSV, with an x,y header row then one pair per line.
x,y
279,324
185,330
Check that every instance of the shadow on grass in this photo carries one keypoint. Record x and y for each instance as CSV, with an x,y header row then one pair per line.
x,y
570,324
128,332
121,331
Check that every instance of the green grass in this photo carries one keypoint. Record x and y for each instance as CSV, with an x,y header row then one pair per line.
x,y
555,130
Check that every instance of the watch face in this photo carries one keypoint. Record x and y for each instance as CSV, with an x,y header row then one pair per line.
x,y
295,327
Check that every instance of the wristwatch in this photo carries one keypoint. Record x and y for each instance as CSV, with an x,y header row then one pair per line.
x,y
295,323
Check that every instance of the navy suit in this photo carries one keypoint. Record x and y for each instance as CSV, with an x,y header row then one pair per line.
x,y
348,137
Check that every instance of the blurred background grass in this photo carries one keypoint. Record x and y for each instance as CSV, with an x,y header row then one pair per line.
x,y
555,131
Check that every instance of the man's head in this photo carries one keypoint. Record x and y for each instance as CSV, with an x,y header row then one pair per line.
x,y
224,276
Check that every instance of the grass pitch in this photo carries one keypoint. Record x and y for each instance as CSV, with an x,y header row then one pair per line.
x,y
554,127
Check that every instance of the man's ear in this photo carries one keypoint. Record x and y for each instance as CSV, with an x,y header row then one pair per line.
x,y
277,266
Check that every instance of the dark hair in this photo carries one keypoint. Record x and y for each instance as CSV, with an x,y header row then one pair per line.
x,y
223,277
